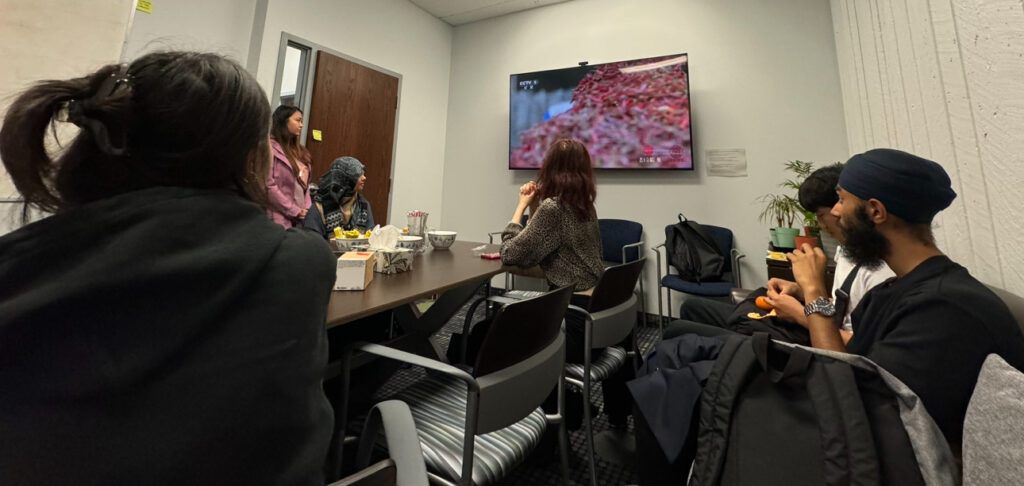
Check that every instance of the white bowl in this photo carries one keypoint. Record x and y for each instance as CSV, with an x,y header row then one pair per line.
x,y
348,244
410,242
441,240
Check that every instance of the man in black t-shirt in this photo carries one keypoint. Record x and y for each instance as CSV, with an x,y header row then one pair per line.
x,y
934,324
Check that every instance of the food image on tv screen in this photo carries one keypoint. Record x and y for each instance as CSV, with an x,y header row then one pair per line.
x,y
630,114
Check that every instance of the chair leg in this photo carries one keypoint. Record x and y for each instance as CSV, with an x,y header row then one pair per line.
x,y
668,296
588,428
643,301
563,433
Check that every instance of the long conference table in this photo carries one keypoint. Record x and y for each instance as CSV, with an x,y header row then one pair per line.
x,y
453,274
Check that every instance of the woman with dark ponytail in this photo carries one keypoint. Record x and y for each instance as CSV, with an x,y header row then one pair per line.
x,y
288,182
157,328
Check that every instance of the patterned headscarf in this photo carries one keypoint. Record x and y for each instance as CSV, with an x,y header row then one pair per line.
x,y
339,183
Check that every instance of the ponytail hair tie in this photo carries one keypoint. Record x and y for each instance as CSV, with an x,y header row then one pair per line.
x,y
76,112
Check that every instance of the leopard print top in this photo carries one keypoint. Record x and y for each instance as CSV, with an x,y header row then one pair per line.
x,y
566,248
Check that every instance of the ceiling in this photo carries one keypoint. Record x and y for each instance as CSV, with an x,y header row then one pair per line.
x,y
458,12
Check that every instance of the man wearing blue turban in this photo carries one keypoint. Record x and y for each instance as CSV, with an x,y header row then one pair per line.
x,y
934,324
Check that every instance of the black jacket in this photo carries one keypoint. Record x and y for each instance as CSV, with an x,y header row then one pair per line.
x,y
164,336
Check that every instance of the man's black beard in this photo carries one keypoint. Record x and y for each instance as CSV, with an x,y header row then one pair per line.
x,y
864,245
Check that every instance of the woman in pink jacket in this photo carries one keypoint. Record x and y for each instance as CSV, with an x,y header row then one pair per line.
x,y
288,182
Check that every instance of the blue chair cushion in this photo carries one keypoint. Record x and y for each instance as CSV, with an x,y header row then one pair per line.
x,y
705,289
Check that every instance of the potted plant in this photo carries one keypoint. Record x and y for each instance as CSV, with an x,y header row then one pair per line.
x,y
801,170
784,209
781,209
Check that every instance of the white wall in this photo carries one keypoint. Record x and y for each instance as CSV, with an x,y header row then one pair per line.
x,y
943,79
221,26
397,36
43,39
763,77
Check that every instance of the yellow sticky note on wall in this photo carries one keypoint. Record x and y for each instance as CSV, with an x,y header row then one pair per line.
x,y
145,6
318,135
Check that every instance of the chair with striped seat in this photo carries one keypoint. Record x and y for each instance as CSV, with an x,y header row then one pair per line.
x,y
608,320
476,425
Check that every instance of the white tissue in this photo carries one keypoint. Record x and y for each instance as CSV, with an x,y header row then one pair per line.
x,y
385,238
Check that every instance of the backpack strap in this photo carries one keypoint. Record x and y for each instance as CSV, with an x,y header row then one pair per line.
x,y
847,444
732,368
842,302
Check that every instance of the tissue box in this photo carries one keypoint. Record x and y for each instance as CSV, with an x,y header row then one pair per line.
x,y
394,261
355,270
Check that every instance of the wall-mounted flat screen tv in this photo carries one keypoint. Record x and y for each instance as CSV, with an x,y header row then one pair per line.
x,y
630,114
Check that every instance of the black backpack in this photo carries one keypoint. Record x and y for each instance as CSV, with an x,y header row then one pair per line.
x,y
780,415
693,252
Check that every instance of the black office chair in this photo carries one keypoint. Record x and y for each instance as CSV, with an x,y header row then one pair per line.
x,y
475,426
669,281
622,241
609,319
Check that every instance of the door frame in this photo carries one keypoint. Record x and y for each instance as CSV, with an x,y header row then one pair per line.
x,y
311,70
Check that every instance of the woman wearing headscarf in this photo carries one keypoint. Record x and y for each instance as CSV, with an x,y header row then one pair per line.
x,y
338,201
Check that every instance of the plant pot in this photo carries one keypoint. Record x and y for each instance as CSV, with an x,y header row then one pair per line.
x,y
784,237
800,240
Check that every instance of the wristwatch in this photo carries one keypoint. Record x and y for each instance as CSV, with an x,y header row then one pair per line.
x,y
822,306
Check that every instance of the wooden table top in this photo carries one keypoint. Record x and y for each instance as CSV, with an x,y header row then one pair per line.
x,y
433,272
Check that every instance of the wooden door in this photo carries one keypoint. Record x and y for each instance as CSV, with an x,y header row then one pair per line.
x,y
353,107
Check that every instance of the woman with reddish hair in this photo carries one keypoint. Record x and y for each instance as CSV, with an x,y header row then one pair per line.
x,y
563,236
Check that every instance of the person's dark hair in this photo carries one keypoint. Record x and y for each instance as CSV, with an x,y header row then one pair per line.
x,y
819,189
183,119
290,143
567,174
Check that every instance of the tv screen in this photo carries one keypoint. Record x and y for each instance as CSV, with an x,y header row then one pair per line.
x,y
630,114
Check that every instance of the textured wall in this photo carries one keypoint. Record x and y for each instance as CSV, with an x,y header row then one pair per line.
x,y
945,79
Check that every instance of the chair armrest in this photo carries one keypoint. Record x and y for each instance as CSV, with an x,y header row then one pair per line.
x,y
394,418
738,294
657,256
736,256
341,411
638,245
413,359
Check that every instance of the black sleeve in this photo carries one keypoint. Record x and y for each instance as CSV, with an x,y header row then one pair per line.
x,y
314,221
